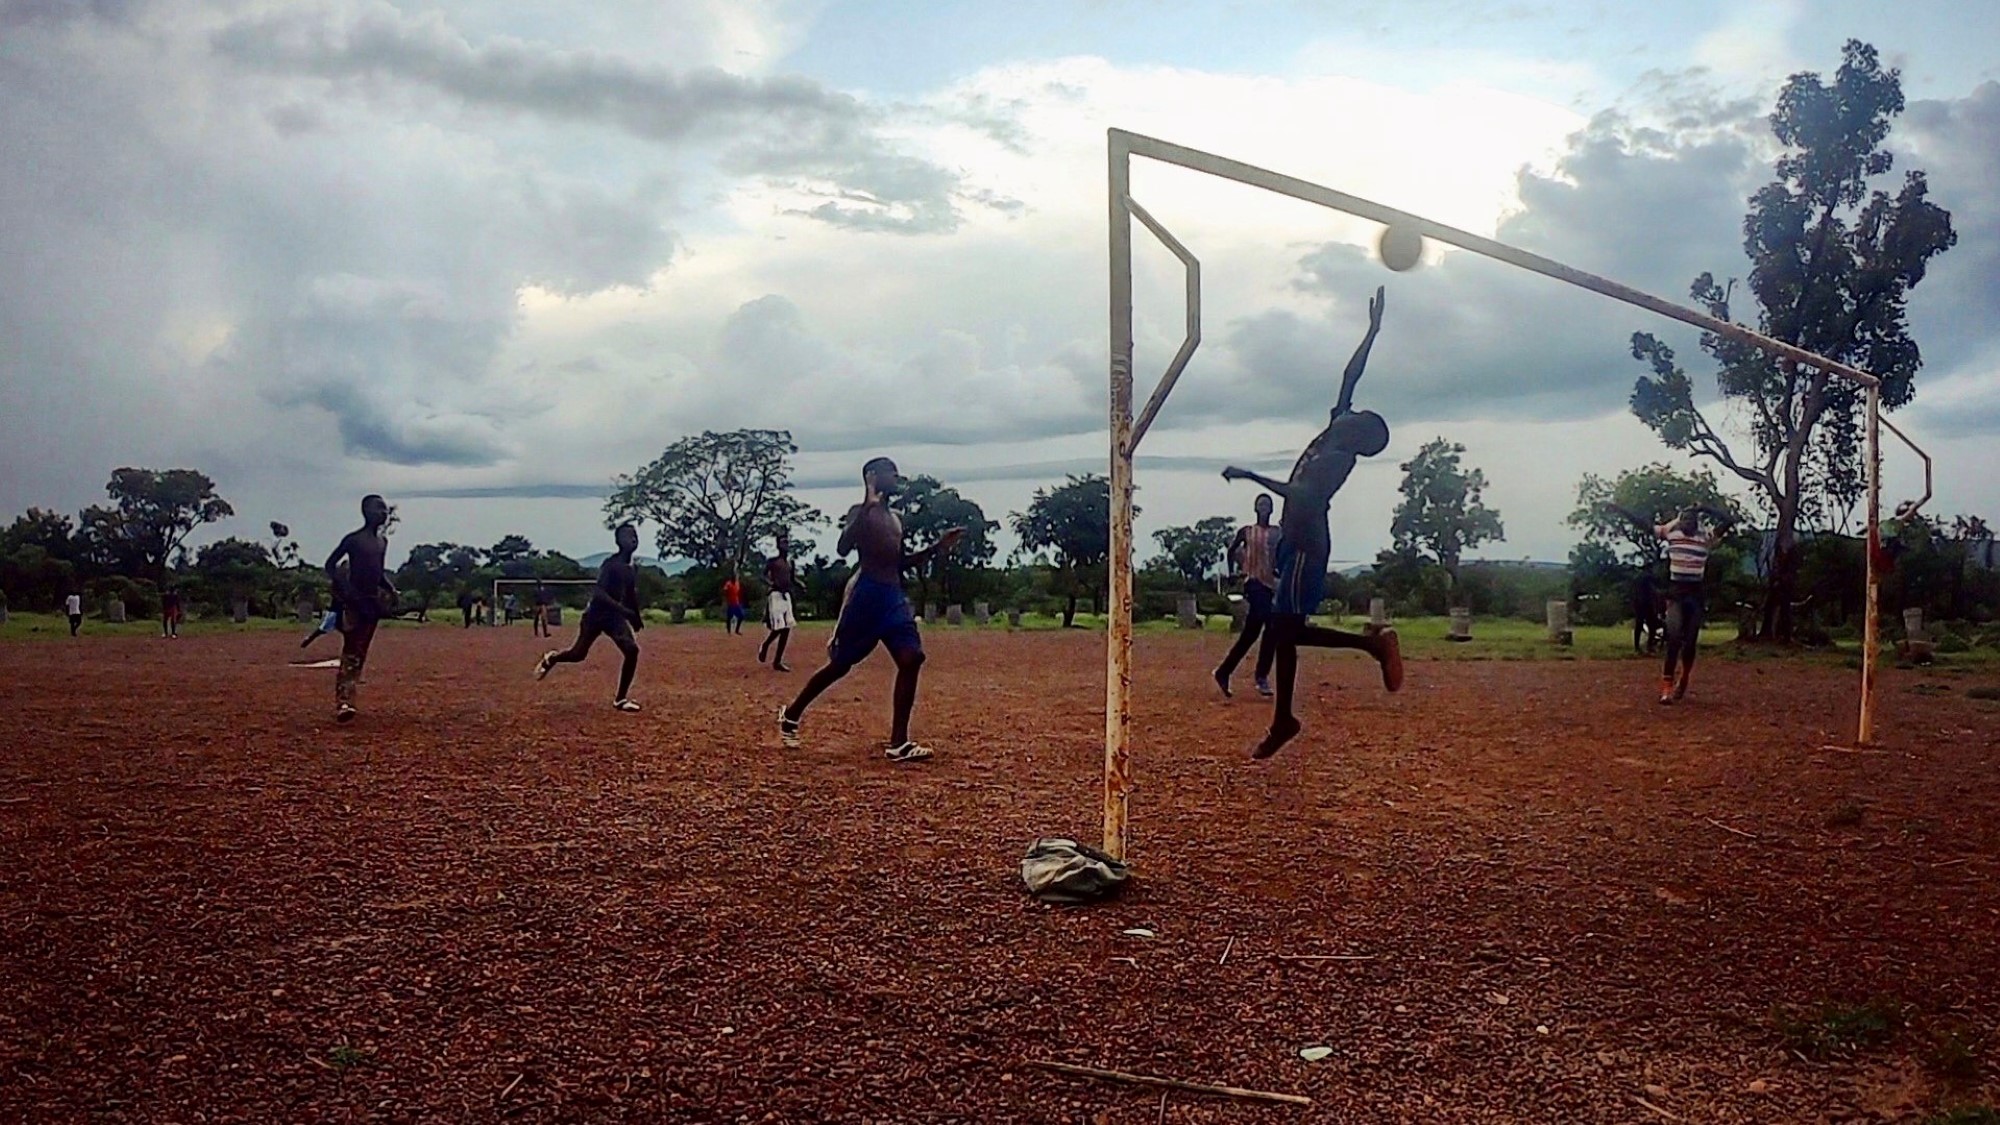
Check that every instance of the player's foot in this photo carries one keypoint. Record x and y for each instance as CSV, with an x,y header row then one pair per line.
x,y
762,653
624,705
1264,686
908,752
1666,690
344,713
547,662
781,667
1389,651
1222,681
1681,687
788,730
1283,730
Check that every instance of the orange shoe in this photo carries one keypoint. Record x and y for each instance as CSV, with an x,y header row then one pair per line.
x,y
1666,689
1681,688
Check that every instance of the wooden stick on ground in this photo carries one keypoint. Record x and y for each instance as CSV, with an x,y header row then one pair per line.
x,y
1324,956
1170,1083
1726,828
510,1086
1231,944
1655,1109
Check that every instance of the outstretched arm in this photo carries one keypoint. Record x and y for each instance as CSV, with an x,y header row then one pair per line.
x,y
1355,365
1282,491
847,530
946,542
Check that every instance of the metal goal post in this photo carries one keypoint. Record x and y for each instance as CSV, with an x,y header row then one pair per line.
x,y
1126,432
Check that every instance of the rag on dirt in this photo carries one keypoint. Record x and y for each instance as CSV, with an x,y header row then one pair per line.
x,y
1064,871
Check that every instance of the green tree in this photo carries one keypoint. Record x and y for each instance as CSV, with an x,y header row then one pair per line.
x,y
928,509
714,495
1196,552
431,568
1832,261
1653,491
1073,520
234,568
1442,512
53,532
153,512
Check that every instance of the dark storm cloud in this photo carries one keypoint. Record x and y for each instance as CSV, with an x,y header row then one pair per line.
x,y
1957,144
782,127
1471,338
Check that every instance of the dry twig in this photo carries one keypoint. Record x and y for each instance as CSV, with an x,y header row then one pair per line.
x,y
1170,1083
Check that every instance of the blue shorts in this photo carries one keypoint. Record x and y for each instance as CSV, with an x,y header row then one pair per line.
x,y
734,613
874,613
1301,582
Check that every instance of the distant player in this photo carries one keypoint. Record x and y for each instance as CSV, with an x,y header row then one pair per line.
x,y
328,622
170,613
875,610
613,612
1305,543
778,616
73,609
465,606
732,604
359,588
1254,555
543,600
1688,545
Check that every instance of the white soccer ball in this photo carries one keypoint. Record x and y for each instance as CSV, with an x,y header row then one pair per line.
x,y
1400,248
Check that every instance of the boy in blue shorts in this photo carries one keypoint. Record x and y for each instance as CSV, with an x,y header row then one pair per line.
x,y
1305,542
875,611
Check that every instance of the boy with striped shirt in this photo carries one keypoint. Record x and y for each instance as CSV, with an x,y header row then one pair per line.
x,y
1688,545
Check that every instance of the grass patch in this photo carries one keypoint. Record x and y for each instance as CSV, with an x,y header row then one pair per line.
x,y
346,1056
1966,1115
1836,1029
1953,1055
1990,694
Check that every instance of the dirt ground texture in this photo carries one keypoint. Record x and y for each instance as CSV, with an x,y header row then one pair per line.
x,y
496,899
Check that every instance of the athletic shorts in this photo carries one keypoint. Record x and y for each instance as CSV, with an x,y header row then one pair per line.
x,y
874,613
735,613
778,611
1301,581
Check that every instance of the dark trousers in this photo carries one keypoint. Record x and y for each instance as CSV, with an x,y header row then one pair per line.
x,y
1259,596
1684,614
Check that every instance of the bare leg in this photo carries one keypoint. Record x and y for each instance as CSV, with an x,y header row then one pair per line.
x,y
354,642
586,635
1384,647
778,661
909,663
821,680
630,647
1284,631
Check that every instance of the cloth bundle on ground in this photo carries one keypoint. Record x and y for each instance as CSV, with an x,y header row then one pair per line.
x,y
1064,871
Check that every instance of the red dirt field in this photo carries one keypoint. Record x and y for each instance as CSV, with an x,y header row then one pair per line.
x,y
494,899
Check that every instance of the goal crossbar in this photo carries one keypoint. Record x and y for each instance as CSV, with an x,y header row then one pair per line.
x,y
1126,432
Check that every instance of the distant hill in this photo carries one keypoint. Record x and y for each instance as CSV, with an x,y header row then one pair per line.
x,y
671,566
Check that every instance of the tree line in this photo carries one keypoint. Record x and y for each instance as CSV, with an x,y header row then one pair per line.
x,y
1833,258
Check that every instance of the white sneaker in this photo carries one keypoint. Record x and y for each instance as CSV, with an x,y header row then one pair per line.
x,y
548,662
624,705
788,730
908,752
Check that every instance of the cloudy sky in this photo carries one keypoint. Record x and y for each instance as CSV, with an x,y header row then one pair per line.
x,y
482,256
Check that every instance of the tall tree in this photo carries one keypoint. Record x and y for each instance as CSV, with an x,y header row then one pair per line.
x,y
1442,512
928,509
511,548
431,568
53,532
1073,520
715,495
152,512
1832,262
233,568
1195,552
1654,491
